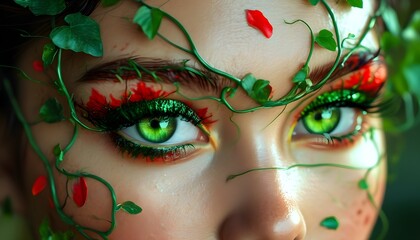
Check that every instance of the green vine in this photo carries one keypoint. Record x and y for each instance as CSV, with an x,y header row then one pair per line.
x,y
81,34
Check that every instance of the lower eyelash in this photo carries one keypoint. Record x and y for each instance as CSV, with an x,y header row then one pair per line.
x,y
150,154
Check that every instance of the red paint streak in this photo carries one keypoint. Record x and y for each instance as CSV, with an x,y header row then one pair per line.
x,y
80,192
370,78
257,20
205,116
38,66
97,101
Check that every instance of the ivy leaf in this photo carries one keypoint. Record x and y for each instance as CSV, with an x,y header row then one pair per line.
x,y
43,7
259,90
314,2
356,3
330,223
149,20
129,207
301,75
325,39
108,3
48,53
58,153
51,111
248,82
82,35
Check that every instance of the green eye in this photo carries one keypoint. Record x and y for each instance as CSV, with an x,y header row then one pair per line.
x,y
157,129
323,120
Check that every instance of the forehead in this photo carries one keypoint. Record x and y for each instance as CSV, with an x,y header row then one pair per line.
x,y
224,39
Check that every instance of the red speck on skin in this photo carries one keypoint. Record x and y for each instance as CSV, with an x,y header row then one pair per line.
x,y
38,66
39,185
256,19
80,192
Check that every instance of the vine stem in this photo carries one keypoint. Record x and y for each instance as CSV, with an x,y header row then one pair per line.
x,y
67,219
69,97
36,149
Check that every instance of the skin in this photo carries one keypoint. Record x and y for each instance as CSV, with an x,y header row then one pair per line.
x,y
190,198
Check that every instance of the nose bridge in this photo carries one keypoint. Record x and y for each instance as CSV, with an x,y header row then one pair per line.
x,y
268,209
267,206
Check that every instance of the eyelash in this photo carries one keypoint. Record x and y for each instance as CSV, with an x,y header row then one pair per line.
x,y
359,101
130,113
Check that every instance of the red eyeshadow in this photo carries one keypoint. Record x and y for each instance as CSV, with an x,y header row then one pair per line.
x,y
369,78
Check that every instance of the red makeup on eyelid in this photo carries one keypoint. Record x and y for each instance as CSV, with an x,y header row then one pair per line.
x,y
98,102
369,78
141,92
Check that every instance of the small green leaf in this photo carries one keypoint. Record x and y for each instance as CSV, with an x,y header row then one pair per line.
x,y
363,184
259,90
51,111
325,39
108,3
48,54
351,36
58,153
314,2
356,3
82,35
301,75
149,20
43,7
129,207
330,223
248,82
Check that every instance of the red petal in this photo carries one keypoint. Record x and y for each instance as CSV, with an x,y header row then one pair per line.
x,y
80,192
256,19
38,66
39,185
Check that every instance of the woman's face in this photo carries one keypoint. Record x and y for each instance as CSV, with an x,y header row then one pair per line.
x,y
183,191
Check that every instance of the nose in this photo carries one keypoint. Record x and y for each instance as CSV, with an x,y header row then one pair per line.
x,y
266,212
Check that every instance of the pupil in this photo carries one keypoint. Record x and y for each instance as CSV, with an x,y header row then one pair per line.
x,y
155,123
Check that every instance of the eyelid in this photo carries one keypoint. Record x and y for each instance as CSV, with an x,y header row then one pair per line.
x,y
129,113
339,98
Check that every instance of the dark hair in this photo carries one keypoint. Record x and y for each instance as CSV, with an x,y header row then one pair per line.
x,y
16,21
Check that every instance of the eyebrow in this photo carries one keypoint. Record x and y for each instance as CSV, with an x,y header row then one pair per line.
x,y
171,71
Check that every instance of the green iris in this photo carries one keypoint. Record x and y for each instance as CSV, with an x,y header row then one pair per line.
x,y
157,129
322,120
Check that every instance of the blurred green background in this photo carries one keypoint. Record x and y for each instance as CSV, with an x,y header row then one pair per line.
x,y
402,199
